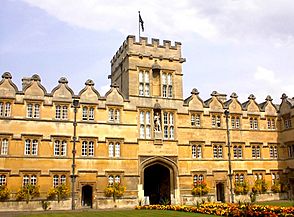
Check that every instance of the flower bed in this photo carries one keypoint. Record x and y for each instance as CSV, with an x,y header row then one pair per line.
x,y
226,209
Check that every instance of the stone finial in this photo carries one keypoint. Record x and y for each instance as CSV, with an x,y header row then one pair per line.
x,y
234,95
194,91
36,77
284,96
114,85
214,93
7,75
251,96
269,98
89,82
62,80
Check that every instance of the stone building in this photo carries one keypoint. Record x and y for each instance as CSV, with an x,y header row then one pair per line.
x,y
142,133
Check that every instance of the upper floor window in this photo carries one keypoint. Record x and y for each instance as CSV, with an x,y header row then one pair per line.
x,y
256,151
287,121
31,147
33,110
253,123
60,148
88,148
4,146
167,85
195,120
196,151
198,178
61,112
273,151
114,115
29,179
168,125
5,109
218,151
59,180
235,122
88,113
291,151
216,121
144,83
271,123
145,125
2,180
237,151
114,149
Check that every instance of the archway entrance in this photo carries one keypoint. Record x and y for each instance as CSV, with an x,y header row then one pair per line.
x,y
157,184
87,195
220,192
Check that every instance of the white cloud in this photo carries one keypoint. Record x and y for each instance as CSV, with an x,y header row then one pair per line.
x,y
240,21
265,75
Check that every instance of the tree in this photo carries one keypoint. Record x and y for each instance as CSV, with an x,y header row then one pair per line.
x,y
60,192
115,190
4,193
28,192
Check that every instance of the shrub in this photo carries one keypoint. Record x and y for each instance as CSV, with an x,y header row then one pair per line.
x,y
4,193
241,188
115,190
199,189
276,187
259,187
28,192
60,192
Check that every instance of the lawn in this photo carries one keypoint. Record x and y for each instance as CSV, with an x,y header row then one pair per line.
x,y
116,213
286,203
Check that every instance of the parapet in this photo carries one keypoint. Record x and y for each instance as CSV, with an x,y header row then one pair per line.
x,y
143,48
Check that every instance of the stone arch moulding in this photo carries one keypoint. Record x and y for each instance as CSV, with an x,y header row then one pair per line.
x,y
164,161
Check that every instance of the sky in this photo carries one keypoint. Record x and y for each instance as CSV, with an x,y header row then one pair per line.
x,y
242,46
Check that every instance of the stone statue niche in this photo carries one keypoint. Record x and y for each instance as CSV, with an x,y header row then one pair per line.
x,y
157,124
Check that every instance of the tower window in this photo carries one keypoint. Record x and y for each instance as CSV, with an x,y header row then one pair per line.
x,y
144,83
167,85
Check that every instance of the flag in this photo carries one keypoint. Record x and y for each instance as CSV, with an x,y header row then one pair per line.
x,y
141,22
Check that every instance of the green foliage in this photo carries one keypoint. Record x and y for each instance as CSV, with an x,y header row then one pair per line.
x,y
241,188
199,189
115,190
164,201
4,193
45,205
276,187
252,197
28,192
260,186
61,192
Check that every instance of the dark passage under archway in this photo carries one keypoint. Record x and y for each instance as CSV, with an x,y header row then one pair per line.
x,y
87,192
157,184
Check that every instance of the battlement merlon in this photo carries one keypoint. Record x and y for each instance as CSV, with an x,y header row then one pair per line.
x,y
144,49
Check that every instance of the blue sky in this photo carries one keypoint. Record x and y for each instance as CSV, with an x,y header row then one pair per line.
x,y
230,45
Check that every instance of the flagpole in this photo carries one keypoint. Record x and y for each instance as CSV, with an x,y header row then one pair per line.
x,y
139,24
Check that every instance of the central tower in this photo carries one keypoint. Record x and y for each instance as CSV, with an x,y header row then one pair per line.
x,y
148,69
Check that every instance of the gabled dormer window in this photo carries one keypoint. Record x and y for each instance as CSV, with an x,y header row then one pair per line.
x,y
33,110
114,115
5,109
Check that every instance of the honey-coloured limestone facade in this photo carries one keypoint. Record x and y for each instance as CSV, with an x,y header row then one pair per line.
x,y
142,134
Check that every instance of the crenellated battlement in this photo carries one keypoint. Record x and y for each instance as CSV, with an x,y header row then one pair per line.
x,y
143,47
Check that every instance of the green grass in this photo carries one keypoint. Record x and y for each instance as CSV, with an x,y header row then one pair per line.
x,y
116,213
277,203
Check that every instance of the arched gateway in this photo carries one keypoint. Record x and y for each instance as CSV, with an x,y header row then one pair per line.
x,y
159,179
